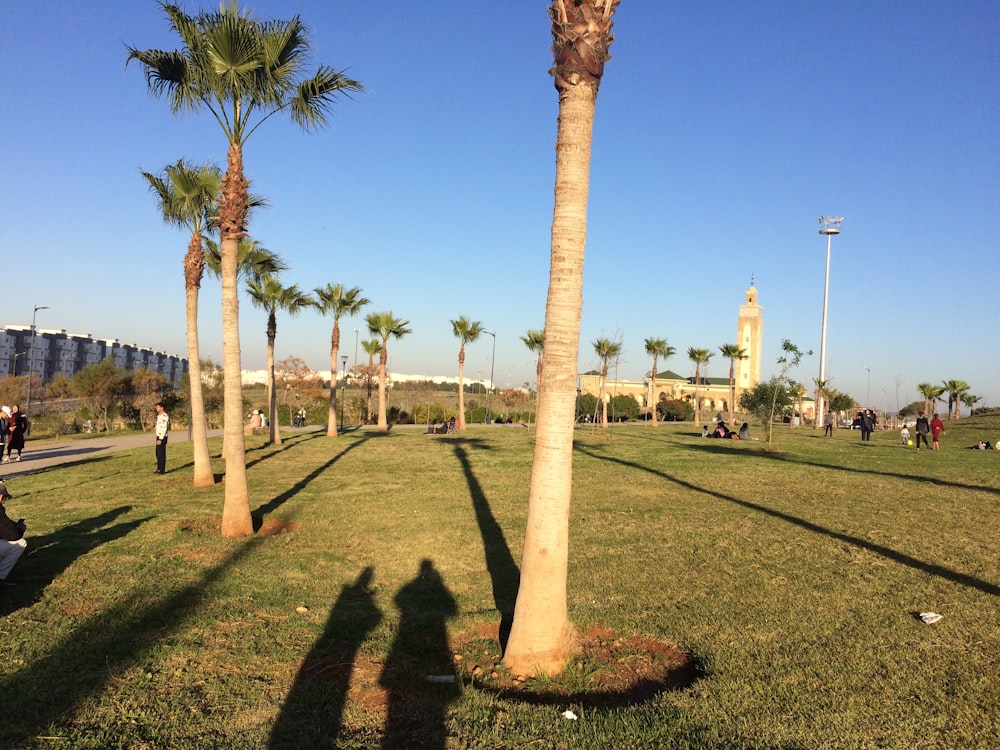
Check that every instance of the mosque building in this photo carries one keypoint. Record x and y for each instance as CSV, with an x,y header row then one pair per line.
x,y
712,393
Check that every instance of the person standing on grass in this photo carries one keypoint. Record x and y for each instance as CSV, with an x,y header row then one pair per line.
x,y
937,429
17,425
162,428
828,422
12,544
922,428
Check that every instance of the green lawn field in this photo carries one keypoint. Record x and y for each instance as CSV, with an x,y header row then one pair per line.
x,y
793,579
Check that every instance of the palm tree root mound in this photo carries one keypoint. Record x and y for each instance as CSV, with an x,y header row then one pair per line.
x,y
609,670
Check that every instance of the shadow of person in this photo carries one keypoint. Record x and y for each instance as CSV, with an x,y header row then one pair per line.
x,y
48,555
311,714
418,675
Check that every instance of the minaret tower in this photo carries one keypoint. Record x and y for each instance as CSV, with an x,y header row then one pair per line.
x,y
748,338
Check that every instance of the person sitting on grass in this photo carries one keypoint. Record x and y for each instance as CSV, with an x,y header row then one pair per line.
x,y
12,543
744,433
981,446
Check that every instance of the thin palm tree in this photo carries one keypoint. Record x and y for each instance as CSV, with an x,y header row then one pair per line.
x,y
969,400
930,392
337,301
466,332
186,196
657,349
242,71
955,389
700,357
371,347
535,341
606,351
732,352
385,326
542,638
268,294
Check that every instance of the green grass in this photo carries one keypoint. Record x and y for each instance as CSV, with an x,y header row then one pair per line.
x,y
792,577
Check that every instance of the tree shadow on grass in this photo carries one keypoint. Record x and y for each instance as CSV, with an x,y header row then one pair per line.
x,y
57,684
50,554
312,713
890,554
727,446
505,575
277,502
419,674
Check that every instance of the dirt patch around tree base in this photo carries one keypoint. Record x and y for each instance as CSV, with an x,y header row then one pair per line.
x,y
610,670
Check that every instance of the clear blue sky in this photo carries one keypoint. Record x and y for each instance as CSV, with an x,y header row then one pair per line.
x,y
723,131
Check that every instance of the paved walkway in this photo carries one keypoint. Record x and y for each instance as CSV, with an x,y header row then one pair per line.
x,y
45,454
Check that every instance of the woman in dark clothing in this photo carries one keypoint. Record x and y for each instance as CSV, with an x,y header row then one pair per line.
x,y
15,439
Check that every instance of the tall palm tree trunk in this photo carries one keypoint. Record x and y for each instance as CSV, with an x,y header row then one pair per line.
x,y
461,387
273,433
236,518
653,392
331,412
697,400
542,637
732,392
383,422
604,400
194,264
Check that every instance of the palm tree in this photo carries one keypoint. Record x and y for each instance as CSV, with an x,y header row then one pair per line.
x,y
386,326
732,352
337,301
656,348
969,400
242,71
535,341
267,293
699,357
466,332
606,351
955,389
930,392
186,196
542,638
371,347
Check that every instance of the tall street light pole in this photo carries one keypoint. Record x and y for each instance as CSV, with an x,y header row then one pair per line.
x,y
343,390
828,225
868,398
31,365
489,395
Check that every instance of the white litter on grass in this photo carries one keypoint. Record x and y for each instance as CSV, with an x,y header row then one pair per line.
x,y
929,618
568,715
302,609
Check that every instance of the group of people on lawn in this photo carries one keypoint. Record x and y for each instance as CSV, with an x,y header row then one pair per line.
x,y
722,431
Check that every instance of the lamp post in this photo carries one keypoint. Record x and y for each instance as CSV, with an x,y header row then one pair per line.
x,y
868,398
31,366
343,391
489,395
828,225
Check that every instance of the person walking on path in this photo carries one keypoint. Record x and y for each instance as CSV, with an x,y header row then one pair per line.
x,y
937,429
17,425
922,428
12,544
162,428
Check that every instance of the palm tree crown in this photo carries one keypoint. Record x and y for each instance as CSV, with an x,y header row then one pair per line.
x,y
699,357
